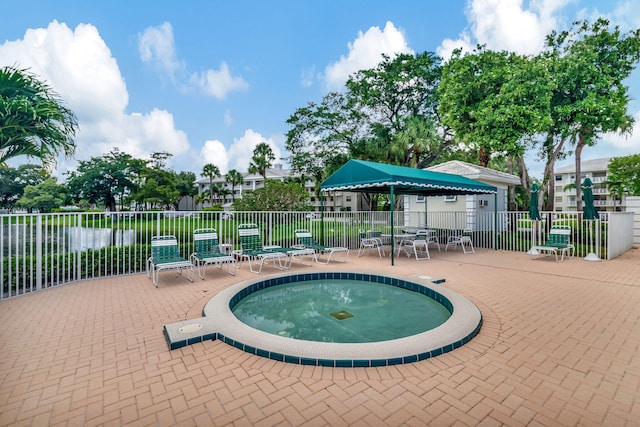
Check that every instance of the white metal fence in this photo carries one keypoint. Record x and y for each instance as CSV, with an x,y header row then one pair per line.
x,y
38,251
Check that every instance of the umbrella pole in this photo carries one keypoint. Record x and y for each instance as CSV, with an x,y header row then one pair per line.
x,y
534,231
592,256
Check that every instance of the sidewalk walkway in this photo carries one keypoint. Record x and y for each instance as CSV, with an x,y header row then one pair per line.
x,y
560,345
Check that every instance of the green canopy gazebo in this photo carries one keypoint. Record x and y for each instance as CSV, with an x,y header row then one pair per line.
x,y
370,177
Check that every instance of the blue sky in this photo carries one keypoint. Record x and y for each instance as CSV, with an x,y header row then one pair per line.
x,y
208,80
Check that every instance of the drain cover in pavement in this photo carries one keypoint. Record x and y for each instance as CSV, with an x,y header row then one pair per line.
x,y
190,328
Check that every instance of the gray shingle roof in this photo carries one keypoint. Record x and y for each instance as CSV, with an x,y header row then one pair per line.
x,y
586,166
457,167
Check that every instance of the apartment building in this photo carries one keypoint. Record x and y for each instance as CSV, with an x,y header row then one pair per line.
x,y
596,170
334,201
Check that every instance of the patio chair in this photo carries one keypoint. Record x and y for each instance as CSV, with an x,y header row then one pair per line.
x,y
252,249
419,244
307,241
559,240
463,239
367,243
207,251
165,255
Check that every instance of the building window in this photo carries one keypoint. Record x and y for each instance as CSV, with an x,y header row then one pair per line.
x,y
450,198
559,189
419,199
558,199
558,177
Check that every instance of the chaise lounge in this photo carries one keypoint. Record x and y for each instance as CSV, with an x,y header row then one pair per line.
x,y
207,252
557,241
307,241
165,255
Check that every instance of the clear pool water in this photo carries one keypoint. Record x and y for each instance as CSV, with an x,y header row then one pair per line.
x,y
340,311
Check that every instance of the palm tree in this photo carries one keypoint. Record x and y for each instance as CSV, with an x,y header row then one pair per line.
x,y
203,197
234,178
261,160
33,121
210,171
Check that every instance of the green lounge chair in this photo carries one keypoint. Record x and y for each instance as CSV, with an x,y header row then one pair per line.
x,y
207,252
307,241
165,255
253,251
557,241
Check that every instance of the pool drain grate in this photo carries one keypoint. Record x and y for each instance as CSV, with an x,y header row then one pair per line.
x,y
341,315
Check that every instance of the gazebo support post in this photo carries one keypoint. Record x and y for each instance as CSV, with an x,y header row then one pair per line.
x,y
393,239
495,221
321,216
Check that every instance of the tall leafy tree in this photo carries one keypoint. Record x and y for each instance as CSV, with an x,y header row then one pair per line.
x,y
274,196
106,179
399,102
14,180
262,159
623,177
33,119
211,171
234,178
44,196
387,113
321,135
159,183
185,186
494,101
591,63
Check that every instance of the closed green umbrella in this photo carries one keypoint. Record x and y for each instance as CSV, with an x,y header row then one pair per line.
x,y
589,210
534,212
534,215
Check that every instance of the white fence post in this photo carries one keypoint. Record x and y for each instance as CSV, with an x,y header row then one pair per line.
x,y
39,259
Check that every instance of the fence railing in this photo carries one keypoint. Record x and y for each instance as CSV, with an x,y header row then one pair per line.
x,y
39,251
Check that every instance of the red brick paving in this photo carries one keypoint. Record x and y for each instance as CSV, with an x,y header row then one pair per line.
x,y
559,346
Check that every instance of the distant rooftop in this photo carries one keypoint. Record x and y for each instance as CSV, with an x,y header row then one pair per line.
x,y
457,167
586,166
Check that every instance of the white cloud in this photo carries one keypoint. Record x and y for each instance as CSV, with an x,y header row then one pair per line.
x,y
507,25
627,14
628,141
366,52
157,47
307,76
228,119
447,46
216,153
241,150
79,66
218,83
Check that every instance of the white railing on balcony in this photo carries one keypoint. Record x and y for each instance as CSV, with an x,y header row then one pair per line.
x,y
38,251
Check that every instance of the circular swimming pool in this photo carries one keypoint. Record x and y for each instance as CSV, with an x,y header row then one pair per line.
x,y
461,326
340,311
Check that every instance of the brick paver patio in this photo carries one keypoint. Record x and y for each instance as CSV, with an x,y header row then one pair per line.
x,y
559,346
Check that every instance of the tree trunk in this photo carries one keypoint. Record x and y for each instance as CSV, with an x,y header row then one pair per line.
x,y
579,146
548,185
512,188
483,157
548,180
